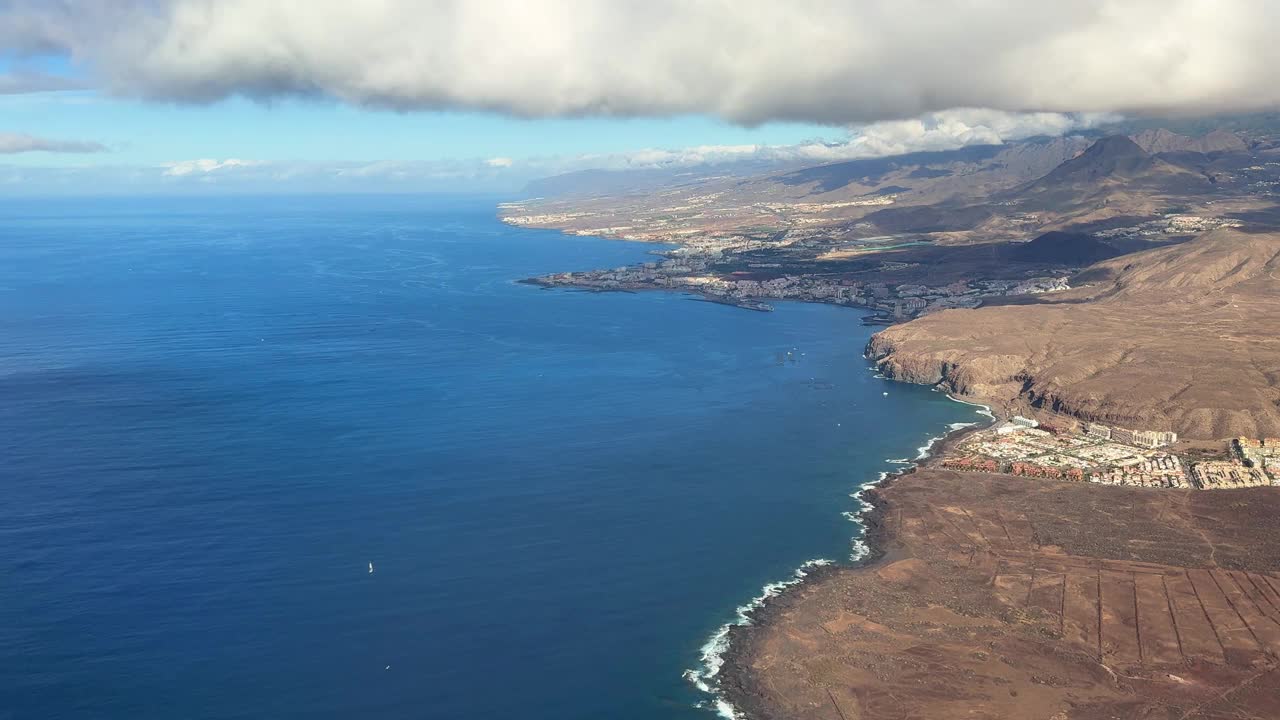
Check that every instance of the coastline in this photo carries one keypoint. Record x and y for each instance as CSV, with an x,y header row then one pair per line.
x,y
875,315
725,674
742,303
872,316
722,674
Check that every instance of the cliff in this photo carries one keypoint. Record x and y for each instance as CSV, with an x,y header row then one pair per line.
x,y
1185,338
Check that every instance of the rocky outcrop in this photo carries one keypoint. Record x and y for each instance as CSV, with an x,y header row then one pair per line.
x,y
1112,156
1160,140
1113,173
1181,338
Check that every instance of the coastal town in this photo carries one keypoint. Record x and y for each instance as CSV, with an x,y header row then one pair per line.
x,y
687,270
788,253
1107,455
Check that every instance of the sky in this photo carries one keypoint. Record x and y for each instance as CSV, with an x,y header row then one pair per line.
x,y
318,95
73,137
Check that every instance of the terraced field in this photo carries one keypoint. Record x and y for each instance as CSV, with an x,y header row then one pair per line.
x,y
1001,597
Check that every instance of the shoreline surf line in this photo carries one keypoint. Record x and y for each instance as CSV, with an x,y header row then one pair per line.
x,y
713,653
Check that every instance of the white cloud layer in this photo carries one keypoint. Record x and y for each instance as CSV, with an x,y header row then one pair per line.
x,y
204,166
946,130
12,143
827,61
242,175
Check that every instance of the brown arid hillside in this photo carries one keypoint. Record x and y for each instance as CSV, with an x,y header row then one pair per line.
x,y
1185,338
1001,597
1159,140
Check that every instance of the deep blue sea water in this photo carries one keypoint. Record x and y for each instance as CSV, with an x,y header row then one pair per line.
x,y
215,413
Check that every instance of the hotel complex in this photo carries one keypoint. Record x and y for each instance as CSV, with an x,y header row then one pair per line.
x,y
1109,455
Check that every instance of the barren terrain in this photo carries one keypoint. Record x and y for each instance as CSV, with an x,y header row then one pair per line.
x,y
1001,597
1185,338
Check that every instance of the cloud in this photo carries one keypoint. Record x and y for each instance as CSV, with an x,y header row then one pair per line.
x,y
829,61
205,166
22,82
951,129
947,130
12,143
236,175
406,173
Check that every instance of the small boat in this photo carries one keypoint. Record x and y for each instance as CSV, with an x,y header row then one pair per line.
x,y
370,568
885,394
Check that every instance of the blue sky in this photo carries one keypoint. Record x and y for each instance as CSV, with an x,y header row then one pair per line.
x,y
321,133
321,130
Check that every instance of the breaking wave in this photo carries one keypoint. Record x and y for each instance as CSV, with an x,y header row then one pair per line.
x,y
712,655
713,651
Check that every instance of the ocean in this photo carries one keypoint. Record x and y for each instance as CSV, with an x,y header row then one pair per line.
x,y
322,457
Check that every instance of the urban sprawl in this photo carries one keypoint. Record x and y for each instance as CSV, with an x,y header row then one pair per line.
x,y
1112,456
898,300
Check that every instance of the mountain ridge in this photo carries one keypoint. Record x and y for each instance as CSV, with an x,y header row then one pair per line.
x,y
1161,140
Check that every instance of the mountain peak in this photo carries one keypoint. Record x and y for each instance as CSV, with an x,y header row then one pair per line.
x,y
1114,155
1113,145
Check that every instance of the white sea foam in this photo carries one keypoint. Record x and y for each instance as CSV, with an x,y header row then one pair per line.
x,y
926,448
923,450
860,549
984,410
713,650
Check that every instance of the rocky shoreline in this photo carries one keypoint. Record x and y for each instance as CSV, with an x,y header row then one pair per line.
x,y
994,596
735,682
743,303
